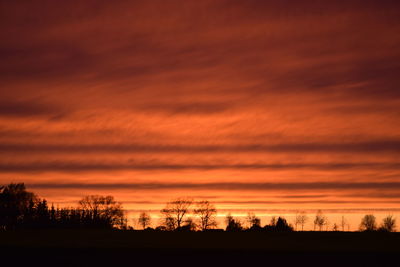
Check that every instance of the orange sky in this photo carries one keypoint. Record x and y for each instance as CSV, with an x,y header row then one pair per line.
x,y
279,105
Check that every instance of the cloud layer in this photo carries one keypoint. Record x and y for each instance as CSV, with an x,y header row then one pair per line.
x,y
181,96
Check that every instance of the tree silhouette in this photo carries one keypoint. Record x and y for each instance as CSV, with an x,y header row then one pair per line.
x,y
232,224
253,221
175,212
20,208
320,220
206,213
282,225
301,219
40,215
278,225
188,225
144,220
388,224
368,223
343,223
102,211
169,222
273,221
15,204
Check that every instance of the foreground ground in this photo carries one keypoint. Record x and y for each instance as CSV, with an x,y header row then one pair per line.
x,y
139,248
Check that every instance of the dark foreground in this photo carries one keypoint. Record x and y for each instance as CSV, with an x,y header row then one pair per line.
x,y
138,248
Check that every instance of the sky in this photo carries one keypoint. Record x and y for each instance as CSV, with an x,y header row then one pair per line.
x,y
265,106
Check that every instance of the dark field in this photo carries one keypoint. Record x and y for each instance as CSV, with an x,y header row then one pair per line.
x,y
139,248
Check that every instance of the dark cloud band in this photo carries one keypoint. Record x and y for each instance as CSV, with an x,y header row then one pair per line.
x,y
89,167
224,186
361,147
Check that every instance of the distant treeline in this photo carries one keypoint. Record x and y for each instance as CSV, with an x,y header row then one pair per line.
x,y
21,209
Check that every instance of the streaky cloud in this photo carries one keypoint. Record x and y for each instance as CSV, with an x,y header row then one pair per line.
x,y
92,167
224,186
354,147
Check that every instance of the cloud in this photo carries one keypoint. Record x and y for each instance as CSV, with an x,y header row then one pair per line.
x,y
200,85
187,108
265,202
47,61
224,186
26,109
89,167
351,147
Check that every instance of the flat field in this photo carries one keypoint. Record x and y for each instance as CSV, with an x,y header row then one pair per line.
x,y
150,248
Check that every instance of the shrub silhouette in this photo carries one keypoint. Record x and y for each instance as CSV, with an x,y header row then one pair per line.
x,y
368,223
232,224
388,224
254,222
278,225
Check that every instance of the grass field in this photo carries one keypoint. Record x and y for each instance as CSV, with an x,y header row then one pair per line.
x,y
138,248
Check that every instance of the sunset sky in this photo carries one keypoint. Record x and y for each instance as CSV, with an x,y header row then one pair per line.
x,y
253,105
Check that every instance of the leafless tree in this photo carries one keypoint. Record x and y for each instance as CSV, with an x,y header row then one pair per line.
x,y
144,220
327,223
169,223
335,227
206,213
320,220
175,212
103,210
343,223
301,219
388,224
368,223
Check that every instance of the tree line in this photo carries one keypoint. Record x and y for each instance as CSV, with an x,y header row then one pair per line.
x,y
21,209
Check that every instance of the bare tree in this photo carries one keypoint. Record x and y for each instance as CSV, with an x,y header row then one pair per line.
x,y
320,220
301,219
327,223
388,224
335,227
170,223
368,223
343,223
103,211
206,213
144,220
175,211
